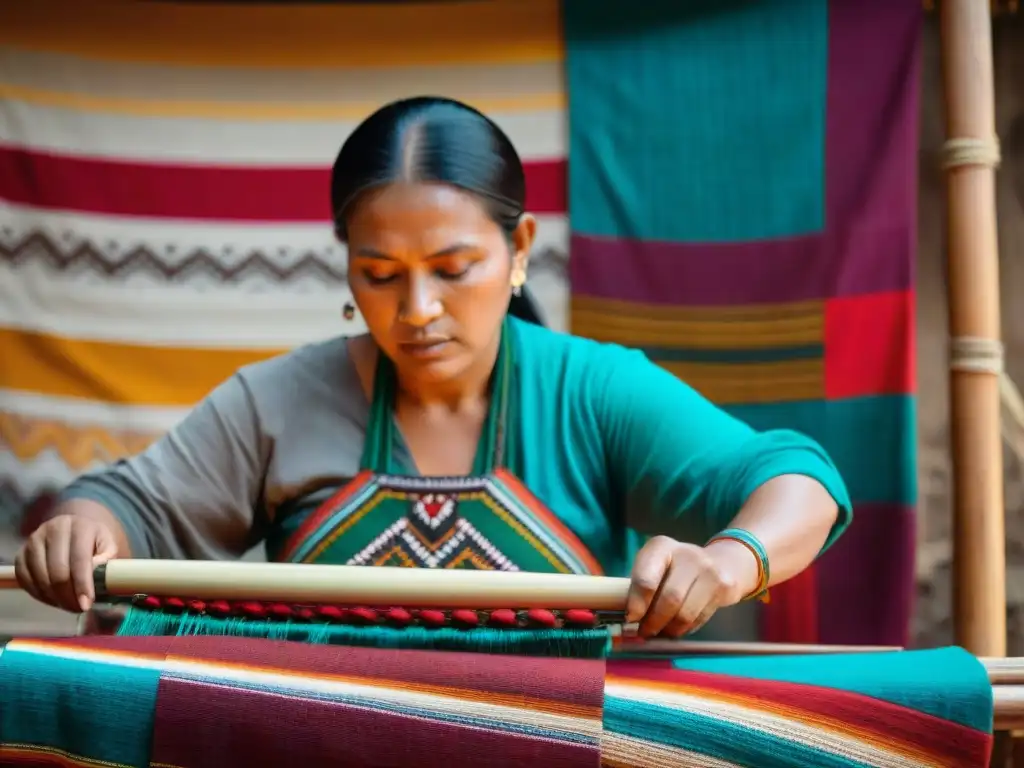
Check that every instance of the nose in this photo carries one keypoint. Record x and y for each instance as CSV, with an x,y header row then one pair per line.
x,y
421,305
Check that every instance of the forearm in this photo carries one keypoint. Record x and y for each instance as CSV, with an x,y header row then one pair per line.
x,y
792,516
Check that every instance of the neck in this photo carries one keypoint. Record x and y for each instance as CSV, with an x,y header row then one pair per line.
x,y
466,390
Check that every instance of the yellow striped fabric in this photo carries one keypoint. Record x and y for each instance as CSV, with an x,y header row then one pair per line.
x,y
720,345
717,327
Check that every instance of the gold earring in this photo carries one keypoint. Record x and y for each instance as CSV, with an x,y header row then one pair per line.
x,y
518,279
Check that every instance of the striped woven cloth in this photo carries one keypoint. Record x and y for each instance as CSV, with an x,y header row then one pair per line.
x,y
742,187
223,702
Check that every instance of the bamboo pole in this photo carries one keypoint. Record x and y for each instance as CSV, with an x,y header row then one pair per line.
x,y
975,350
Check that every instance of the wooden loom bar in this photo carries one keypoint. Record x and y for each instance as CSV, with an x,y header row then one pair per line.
x,y
355,585
974,323
1008,701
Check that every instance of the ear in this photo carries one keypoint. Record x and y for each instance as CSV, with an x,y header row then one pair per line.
x,y
522,242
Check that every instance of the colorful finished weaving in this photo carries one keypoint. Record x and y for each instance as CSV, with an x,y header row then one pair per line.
x,y
224,702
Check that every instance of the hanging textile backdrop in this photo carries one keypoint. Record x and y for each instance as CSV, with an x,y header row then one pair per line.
x,y
742,190
164,212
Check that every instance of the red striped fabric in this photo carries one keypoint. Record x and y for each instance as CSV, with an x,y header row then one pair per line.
x,y
203,192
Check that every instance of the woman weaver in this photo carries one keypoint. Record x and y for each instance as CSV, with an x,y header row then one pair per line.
x,y
458,433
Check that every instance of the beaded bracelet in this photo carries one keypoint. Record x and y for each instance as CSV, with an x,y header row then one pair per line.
x,y
751,542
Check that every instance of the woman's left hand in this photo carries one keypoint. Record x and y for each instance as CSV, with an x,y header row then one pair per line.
x,y
676,588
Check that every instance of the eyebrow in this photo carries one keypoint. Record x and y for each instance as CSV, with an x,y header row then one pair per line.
x,y
451,250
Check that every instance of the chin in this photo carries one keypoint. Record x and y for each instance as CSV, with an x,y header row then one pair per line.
x,y
439,368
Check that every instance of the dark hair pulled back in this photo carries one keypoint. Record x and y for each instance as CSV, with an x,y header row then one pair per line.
x,y
434,139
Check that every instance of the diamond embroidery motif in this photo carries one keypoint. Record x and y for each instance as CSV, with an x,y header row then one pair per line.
x,y
432,535
433,509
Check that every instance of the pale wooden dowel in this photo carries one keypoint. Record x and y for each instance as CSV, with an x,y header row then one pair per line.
x,y
723,648
351,584
1009,707
343,584
1004,670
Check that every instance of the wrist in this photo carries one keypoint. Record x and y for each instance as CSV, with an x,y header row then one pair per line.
x,y
738,561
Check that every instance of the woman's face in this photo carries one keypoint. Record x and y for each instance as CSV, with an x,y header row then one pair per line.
x,y
432,275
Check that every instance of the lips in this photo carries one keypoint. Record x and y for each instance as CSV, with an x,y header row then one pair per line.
x,y
427,348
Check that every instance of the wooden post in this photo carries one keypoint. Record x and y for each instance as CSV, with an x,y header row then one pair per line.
x,y
974,325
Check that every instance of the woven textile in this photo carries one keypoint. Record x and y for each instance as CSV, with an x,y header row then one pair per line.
x,y
926,708
222,702
742,207
164,196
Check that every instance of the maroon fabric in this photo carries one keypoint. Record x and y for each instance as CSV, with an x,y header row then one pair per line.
x,y
573,681
204,719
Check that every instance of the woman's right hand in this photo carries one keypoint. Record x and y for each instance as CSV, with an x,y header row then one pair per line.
x,y
55,565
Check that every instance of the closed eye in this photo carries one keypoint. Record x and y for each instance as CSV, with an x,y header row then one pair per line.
x,y
378,279
450,274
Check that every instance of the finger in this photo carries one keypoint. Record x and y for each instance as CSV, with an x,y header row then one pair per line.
x,y
24,576
106,547
58,564
35,563
704,618
702,598
670,598
677,628
83,548
652,562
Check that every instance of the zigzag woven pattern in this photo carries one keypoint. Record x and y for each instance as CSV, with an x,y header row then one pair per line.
x,y
78,447
203,264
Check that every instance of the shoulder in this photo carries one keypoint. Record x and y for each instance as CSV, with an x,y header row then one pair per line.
x,y
609,386
543,344
320,368
577,359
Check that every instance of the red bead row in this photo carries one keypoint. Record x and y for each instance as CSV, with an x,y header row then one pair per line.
x,y
534,618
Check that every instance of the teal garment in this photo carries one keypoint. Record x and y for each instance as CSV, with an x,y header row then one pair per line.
x,y
614,445
865,436
603,428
